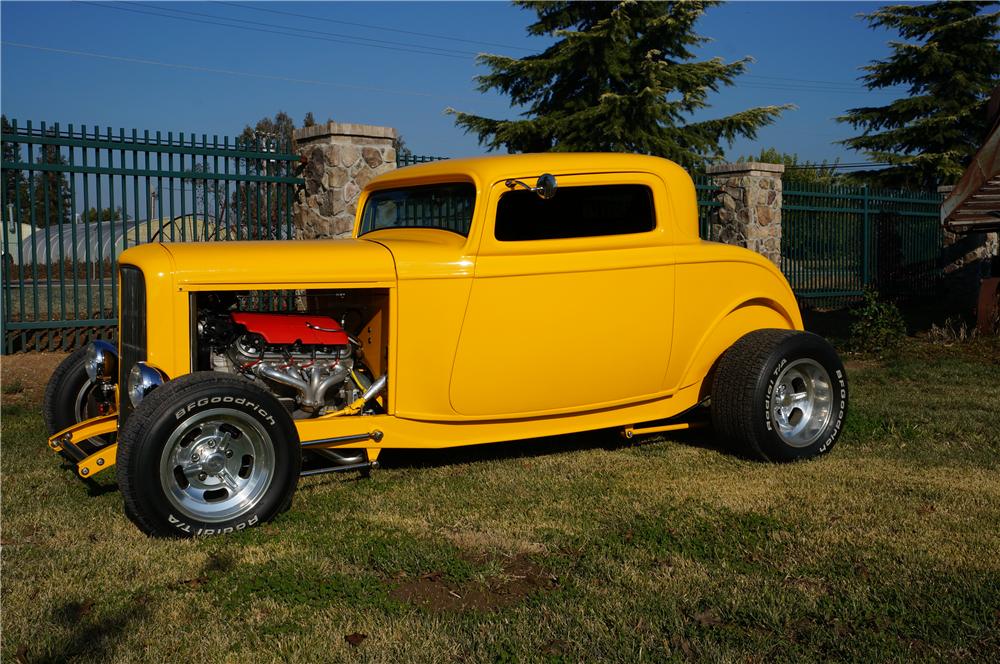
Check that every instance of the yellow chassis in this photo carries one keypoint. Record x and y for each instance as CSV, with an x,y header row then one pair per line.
x,y
100,460
104,458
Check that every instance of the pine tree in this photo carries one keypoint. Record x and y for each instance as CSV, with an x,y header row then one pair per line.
x,y
621,77
799,172
53,202
950,62
104,214
15,183
248,207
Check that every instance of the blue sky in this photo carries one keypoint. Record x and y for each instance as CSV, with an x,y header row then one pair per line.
x,y
807,54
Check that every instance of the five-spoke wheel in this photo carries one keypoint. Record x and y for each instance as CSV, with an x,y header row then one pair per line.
x,y
780,394
205,454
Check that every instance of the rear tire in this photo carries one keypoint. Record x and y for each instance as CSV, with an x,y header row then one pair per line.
x,y
69,399
207,454
780,395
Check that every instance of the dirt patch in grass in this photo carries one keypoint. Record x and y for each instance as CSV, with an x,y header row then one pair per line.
x,y
24,376
853,364
518,578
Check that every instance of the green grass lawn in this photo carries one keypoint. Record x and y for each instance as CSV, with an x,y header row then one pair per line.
x,y
570,549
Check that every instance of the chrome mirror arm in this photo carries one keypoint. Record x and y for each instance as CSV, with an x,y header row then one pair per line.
x,y
545,187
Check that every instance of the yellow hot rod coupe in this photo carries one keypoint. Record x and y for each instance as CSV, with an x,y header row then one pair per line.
x,y
479,300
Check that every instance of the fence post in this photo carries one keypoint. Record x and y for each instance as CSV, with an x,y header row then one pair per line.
x,y
750,214
340,159
866,248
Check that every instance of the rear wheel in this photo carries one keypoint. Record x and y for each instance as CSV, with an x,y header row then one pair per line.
x,y
207,454
780,395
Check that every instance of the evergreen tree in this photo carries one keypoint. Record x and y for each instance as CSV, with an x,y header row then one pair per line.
x,y
50,186
621,77
279,128
248,207
15,183
402,151
950,62
799,172
53,202
105,214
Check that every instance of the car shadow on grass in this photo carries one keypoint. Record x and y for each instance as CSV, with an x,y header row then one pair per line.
x,y
95,488
606,439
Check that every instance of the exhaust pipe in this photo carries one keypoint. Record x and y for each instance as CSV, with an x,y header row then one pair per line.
x,y
312,394
375,388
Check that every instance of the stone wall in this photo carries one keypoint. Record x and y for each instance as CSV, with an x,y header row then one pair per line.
x,y
750,215
338,160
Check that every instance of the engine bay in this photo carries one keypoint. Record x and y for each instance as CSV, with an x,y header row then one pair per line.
x,y
319,352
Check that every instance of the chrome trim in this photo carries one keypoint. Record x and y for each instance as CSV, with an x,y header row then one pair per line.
x,y
142,380
375,388
353,438
102,362
312,392
802,402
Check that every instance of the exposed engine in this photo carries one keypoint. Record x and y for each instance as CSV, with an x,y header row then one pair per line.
x,y
308,360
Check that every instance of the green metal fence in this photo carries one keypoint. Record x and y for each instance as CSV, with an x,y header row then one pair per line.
x,y
75,197
706,190
837,241
411,159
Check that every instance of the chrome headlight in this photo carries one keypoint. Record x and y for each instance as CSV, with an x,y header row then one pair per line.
x,y
142,380
102,362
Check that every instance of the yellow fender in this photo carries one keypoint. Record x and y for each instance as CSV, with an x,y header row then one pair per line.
x,y
754,314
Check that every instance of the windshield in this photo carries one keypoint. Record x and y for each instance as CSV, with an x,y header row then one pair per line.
x,y
443,206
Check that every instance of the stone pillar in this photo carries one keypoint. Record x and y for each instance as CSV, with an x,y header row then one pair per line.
x,y
750,215
339,159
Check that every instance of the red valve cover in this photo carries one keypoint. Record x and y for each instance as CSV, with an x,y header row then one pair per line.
x,y
293,328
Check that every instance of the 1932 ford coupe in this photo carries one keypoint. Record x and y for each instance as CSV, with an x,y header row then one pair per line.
x,y
479,300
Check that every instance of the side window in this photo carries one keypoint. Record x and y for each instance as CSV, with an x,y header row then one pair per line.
x,y
611,209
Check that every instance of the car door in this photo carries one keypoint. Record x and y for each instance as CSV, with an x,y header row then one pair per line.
x,y
571,306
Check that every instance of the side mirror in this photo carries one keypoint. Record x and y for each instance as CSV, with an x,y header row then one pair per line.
x,y
546,186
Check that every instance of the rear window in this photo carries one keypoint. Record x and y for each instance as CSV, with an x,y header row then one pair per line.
x,y
446,207
616,209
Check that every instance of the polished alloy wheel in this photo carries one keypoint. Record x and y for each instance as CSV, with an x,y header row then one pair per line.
x,y
802,402
217,465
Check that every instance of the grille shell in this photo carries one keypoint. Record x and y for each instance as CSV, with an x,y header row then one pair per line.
x,y
131,332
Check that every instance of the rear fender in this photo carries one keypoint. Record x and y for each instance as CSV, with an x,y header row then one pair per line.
x,y
755,314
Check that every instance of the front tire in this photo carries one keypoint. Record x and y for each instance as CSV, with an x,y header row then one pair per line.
x,y
207,454
70,397
780,395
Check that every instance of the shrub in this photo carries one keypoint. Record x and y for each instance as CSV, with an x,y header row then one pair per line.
x,y
952,331
878,326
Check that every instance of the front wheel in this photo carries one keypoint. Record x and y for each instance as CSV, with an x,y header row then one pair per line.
x,y
70,397
780,395
207,454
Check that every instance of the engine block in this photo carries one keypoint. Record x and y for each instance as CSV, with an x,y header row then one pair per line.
x,y
310,354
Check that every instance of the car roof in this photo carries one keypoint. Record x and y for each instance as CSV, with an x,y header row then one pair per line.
x,y
493,168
